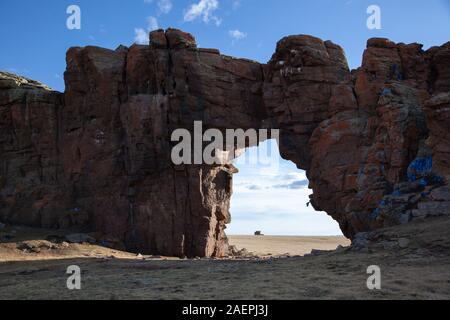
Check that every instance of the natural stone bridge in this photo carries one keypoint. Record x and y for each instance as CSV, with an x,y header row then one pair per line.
x,y
375,142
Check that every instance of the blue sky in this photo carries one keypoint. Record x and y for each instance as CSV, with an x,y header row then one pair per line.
x,y
34,36
34,40
270,195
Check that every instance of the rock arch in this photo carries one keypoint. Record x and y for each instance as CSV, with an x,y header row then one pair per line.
x,y
98,155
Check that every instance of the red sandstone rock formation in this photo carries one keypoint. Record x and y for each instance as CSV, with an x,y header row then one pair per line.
x,y
98,155
30,190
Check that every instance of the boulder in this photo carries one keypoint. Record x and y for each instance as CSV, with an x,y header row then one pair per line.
x,y
441,194
432,209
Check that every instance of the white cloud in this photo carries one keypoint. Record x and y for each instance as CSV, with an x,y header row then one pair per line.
x,y
237,35
165,6
204,10
152,24
140,36
236,4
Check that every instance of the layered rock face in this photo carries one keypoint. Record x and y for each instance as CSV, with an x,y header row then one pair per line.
x,y
30,168
374,142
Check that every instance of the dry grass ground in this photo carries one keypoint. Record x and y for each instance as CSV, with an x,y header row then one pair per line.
x,y
420,270
292,246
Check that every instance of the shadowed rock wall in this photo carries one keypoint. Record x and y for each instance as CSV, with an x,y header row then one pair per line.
x,y
374,141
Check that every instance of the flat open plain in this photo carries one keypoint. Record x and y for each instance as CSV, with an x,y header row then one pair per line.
x,y
32,268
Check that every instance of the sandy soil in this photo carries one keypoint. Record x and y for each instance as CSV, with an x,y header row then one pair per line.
x,y
293,246
419,270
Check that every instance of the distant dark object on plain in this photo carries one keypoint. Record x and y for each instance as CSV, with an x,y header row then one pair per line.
x,y
259,233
